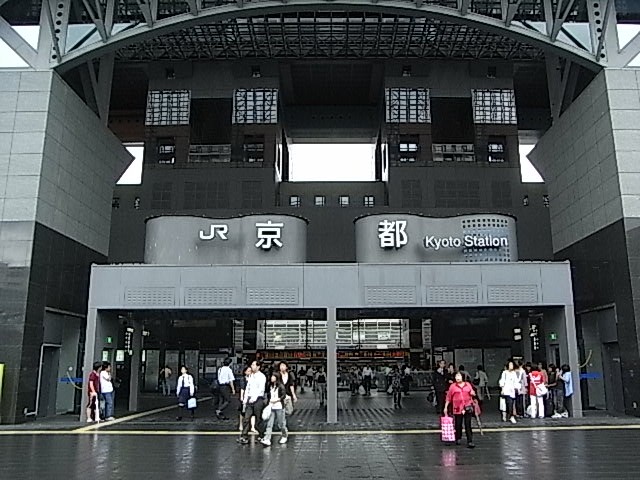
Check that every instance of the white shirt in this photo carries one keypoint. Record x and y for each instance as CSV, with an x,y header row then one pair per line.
x,y
255,387
106,385
225,376
274,395
510,383
186,380
367,372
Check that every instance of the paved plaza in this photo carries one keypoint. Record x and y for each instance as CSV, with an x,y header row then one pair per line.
x,y
372,441
591,452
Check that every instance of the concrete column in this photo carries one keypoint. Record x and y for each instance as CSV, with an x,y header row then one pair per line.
x,y
562,322
573,357
134,382
91,352
332,367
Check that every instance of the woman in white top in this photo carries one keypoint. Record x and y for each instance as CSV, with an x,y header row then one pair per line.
x,y
106,390
185,390
276,396
510,386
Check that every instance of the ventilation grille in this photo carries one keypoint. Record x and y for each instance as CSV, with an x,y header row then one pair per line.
x,y
457,295
390,295
512,293
196,296
150,296
272,296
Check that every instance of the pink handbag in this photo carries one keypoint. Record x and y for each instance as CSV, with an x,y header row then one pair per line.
x,y
447,430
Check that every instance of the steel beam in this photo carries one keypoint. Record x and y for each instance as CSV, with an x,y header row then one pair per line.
x,y
560,18
463,6
18,44
149,10
101,84
194,6
509,10
561,80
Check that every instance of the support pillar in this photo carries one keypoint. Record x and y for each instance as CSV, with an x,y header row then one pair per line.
x,y
332,367
562,322
134,381
573,356
90,349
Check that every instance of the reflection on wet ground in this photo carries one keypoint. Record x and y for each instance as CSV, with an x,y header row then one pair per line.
x,y
567,454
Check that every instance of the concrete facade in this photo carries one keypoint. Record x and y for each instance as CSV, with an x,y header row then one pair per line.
x,y
591,160
58,165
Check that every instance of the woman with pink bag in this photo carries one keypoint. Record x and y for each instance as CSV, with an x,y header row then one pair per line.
x,y
462,395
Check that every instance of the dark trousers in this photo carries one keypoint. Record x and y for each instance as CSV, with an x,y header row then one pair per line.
x,y
366,382
224,397
440,397
397,396
253,409
509,402
458,420
566,403
521,404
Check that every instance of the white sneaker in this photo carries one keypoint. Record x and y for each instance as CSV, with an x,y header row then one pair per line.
x,y
283,440
565,414
265,442
513,420
556,415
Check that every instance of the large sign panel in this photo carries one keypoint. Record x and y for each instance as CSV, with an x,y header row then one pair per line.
x,y
248,240
414,238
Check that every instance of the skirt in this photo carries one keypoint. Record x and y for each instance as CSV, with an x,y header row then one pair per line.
x,y
183,396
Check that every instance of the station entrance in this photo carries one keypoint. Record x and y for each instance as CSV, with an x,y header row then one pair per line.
x,y
338,318
380,340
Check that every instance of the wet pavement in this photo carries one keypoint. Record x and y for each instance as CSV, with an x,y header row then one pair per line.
x,y
372,441
355,413
566,454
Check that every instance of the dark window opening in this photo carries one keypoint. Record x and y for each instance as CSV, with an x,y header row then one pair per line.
x,y
295,201
253,148
497,150
166,151
408,148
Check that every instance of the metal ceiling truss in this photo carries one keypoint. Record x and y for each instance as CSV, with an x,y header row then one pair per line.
x,y
186,29
329,35
463,29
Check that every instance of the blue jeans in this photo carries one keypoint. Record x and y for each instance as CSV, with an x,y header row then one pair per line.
x,y
108,404
279,418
